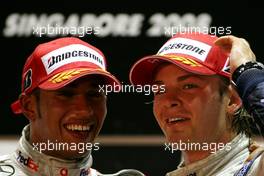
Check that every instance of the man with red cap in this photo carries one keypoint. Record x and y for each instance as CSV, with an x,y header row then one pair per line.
x,y
247,76
197,107
60,96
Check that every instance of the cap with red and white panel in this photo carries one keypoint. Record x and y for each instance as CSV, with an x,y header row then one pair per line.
x,y
193,52
55,64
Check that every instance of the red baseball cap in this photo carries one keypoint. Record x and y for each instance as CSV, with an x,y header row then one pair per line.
x,y
57,63
194,52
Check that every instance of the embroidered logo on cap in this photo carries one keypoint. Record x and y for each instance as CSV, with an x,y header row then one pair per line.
x,y
190,47
226,68
68,74
70,54
27,79
184,60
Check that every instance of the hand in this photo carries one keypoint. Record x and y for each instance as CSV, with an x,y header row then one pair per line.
x,y
254,149
239,49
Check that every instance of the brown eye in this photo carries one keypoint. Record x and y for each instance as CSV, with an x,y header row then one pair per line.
x,y
95,94
157,93
66,93
160,90
189,86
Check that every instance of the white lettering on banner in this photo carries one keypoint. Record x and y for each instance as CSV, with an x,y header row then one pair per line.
x,y
190,47
69,54
169,25
108,24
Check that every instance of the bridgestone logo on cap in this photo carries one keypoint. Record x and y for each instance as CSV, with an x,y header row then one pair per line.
x,y
27,79
70,54
190,47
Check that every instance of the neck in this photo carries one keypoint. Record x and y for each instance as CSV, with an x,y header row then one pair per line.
x,y
191,156
57,149
33,161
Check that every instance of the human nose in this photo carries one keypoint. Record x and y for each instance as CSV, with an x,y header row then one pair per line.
x,y
172,98
83,105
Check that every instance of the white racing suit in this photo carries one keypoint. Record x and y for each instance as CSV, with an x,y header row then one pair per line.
x,y
26,161
225,162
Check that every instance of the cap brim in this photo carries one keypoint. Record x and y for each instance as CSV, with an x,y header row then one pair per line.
x,y
16,107
64,78
142,71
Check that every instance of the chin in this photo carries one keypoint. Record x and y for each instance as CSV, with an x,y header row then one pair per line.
x,y
75,155
177,139
80,154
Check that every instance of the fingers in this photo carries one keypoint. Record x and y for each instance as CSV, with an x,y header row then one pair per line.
x,y
254,149
231,43
255,153
246,42
226,42
238,50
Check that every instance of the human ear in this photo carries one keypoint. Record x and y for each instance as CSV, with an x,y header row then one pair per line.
x,y
28,106
235,103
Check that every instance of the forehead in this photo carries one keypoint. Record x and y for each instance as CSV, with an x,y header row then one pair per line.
x,y
168,69
89,80
171,72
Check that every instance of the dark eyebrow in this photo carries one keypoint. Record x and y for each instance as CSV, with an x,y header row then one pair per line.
x,y
75,84
181,78
188,76
158,82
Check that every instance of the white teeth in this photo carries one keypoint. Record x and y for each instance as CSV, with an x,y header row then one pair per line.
x,y
176,119
75,127
86,128
80,128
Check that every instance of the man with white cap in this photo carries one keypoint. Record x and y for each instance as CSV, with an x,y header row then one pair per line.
x,y
199,111
60,97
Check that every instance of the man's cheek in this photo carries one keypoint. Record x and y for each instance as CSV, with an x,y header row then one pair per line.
x,y
156,108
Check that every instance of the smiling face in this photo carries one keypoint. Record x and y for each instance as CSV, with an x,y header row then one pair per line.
x,y
72,114
191,109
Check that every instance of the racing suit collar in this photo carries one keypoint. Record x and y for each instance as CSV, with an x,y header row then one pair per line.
x,y
34,161
236,149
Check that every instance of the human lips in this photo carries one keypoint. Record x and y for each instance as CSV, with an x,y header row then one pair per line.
x,y
176,119
79,127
